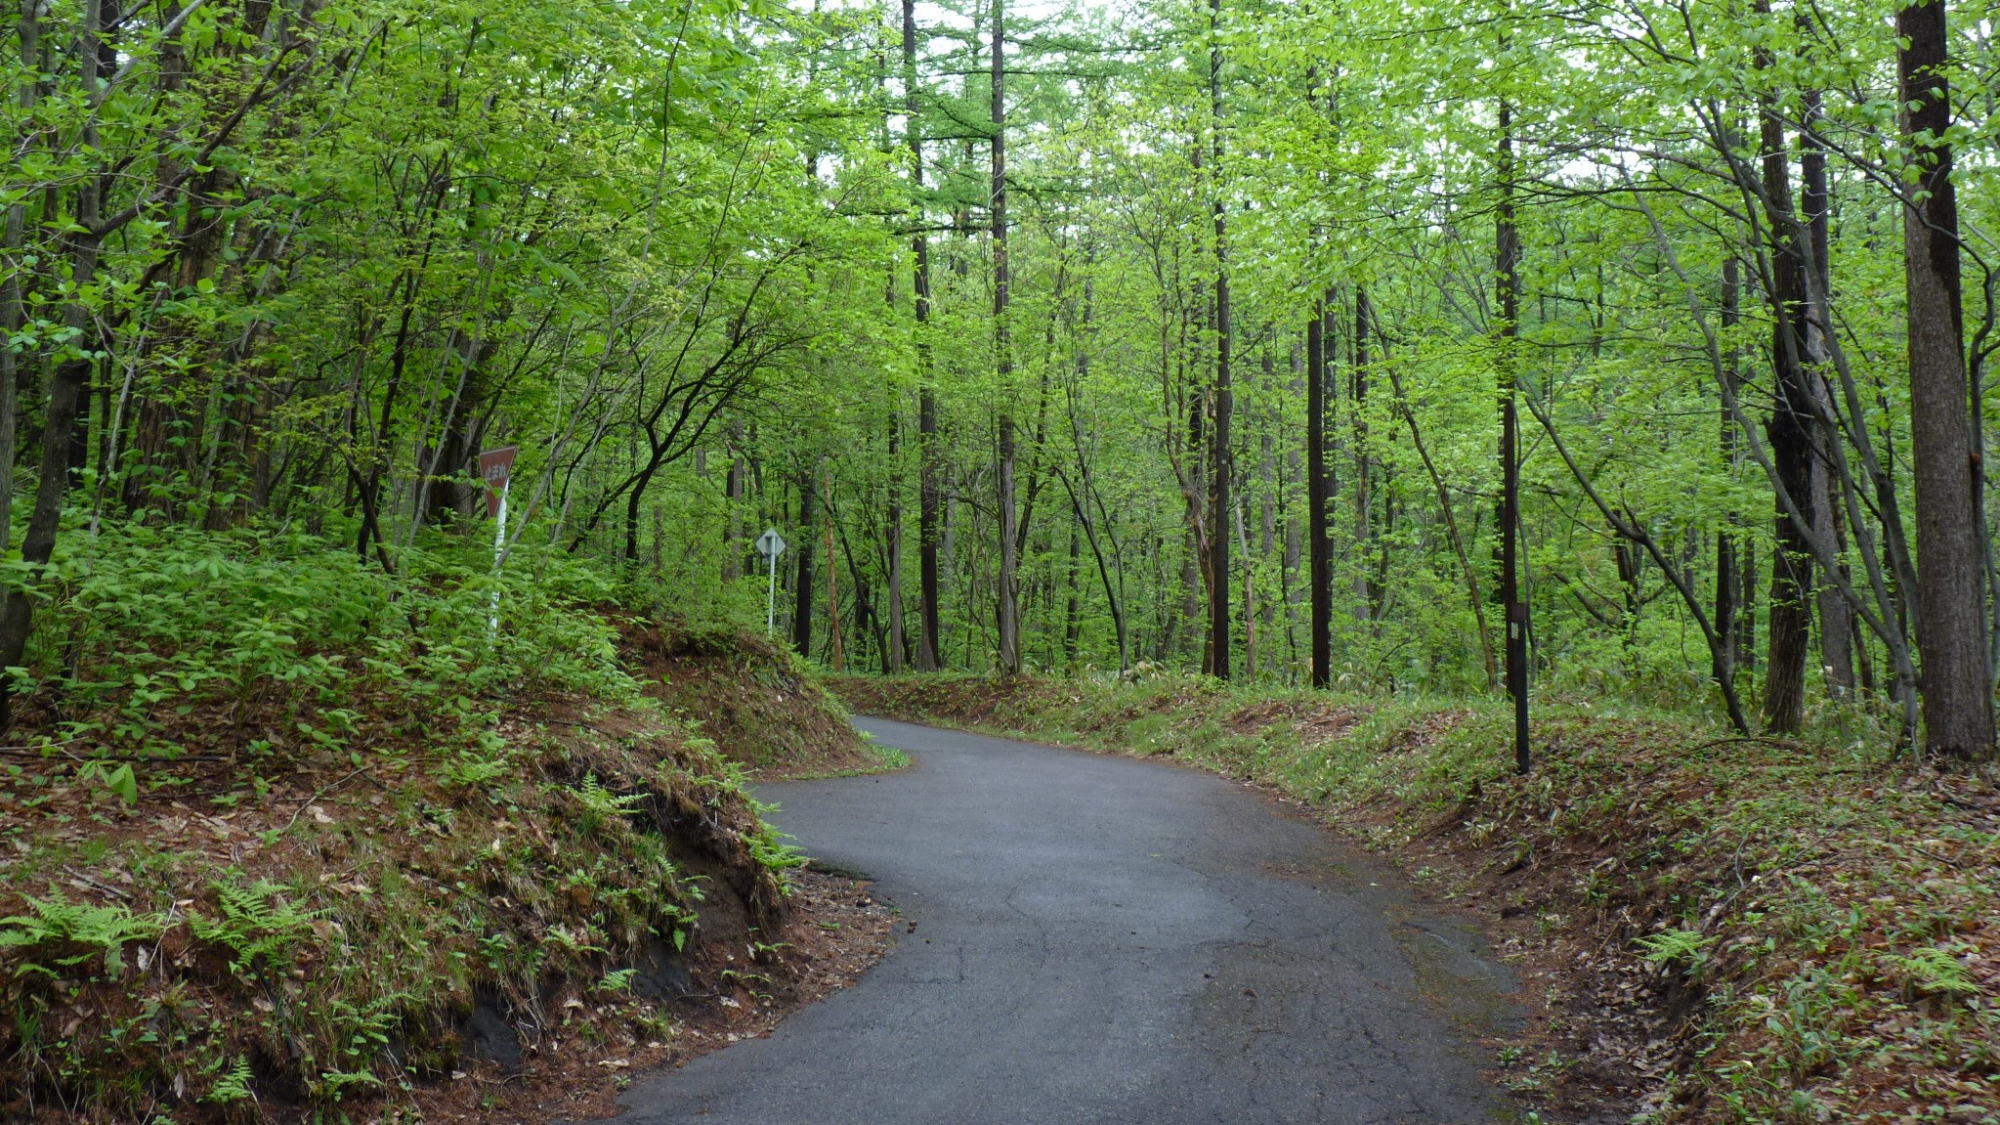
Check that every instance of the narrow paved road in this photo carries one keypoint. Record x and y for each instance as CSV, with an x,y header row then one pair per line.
x,y
1105,940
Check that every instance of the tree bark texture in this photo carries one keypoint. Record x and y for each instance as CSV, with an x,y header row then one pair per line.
x,y
1955,676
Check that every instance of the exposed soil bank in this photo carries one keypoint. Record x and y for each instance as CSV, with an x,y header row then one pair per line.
x,y
759,703
406,892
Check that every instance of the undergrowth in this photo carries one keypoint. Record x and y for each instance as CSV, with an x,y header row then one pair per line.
x,y
1814,927
758,700
286,836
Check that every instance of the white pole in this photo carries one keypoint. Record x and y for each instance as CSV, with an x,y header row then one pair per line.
x,y
499,554
771,598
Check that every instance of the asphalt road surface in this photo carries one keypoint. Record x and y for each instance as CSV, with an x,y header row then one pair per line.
x,y
1103,939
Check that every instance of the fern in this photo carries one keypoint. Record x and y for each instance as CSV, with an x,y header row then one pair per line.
x,y
1670,947
257,926
601,804
231,1087
57,922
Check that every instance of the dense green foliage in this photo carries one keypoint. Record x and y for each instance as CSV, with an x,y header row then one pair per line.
x,y
273,273
291,833
298,262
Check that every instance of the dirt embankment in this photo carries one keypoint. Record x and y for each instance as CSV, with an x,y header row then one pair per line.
x,y
428,900
759,703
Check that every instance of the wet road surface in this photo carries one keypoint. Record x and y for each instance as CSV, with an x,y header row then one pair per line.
x,y
1104,939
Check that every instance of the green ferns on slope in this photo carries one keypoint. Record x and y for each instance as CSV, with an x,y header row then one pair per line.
x,y
285,833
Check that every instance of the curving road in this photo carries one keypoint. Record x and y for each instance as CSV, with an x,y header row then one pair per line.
x,y
1103,939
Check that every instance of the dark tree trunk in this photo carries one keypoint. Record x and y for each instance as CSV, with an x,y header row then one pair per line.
x,y
732,496
67,386
1727,597
1790,432
1319,497
1956,678
1073,605
929,472
802,589
1507,270
1219,462
1836,616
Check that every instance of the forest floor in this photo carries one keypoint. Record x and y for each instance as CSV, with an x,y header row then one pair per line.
x,y
445,907
1710,928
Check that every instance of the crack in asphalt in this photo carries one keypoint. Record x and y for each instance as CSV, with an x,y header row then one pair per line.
x,y
1102,940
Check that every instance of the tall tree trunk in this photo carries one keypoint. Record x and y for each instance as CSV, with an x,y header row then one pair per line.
x,y
1836,616
1003,363
1294,532
1368,592
1072,605
836,647
732,498
929,470
13,235
1790,432
1220,508
892,651
1727,599
1956,677
1507,271
1319,497
67,383
802,589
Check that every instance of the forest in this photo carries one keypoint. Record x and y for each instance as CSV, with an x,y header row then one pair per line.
x,y
1622,347
1546,441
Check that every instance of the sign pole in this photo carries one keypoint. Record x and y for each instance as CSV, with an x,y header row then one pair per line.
x,y
499,556
496,467
771,545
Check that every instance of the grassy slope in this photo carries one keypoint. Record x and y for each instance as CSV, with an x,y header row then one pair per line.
x,y
760,704
281,835
1794,932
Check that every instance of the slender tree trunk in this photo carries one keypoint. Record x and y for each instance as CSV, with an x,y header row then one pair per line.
x,y
1956,676
1294,535
67,383
1003,363
929,470
1507,270
732,497
1072,605
835,645
1473,593
802,589
1319,498
13,235
1790,432
892,646
1220,507
892,654
1836,616
1726,579
1367,595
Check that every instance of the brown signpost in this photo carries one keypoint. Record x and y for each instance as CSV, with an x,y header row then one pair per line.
x,y
494,466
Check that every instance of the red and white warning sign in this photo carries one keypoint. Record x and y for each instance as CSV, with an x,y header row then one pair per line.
x,y
494,467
